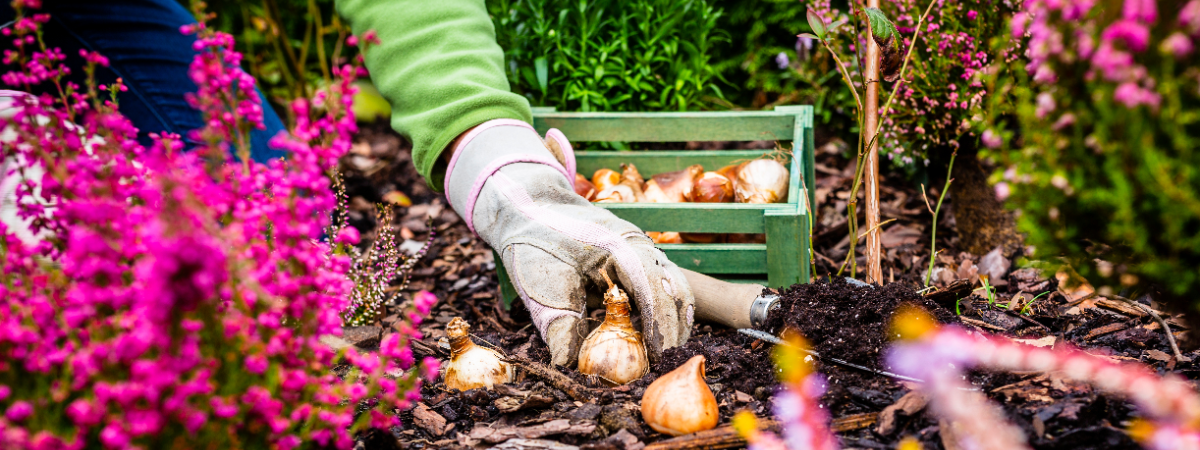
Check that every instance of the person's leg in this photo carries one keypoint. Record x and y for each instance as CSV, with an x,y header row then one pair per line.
x,y
144,46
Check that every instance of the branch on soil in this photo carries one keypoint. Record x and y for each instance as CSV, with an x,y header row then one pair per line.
x,y
554,377
1166,328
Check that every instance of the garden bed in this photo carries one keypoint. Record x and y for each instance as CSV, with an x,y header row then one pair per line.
x,y
842,321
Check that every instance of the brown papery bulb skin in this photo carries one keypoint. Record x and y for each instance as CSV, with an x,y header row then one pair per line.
x,y
676,186
472,366
585,188
680,402
655,194
616,194
605,178
761,181
630,172
614,351
712,187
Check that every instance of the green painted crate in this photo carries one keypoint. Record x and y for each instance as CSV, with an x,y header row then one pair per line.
x,y
782,261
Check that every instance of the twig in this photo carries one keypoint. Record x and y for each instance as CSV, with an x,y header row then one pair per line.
x,y
925,197
880,224
554,377
1166,328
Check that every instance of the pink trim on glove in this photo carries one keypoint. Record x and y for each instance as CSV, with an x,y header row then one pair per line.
x,y
481,179
587,233
462,143
567,151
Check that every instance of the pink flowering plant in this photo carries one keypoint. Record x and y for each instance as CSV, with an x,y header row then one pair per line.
x,y
1095,138
170,298
941,88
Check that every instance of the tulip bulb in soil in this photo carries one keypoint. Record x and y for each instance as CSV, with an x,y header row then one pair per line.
x,y
472,366
761,181
614,351
680,402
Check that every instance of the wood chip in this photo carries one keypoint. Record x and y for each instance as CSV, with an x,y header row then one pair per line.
x,y
1121,307
980,324
853,422
1047,341
909,404
1107,329
487,434
429,420
1159,355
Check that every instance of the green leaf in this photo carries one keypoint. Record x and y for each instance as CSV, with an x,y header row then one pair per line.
x,y
817,24
543,73
808,35
881,28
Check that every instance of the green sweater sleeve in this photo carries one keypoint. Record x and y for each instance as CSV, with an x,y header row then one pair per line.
x,y
439,66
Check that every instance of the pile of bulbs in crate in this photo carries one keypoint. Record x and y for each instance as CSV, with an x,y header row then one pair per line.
x,y
756,181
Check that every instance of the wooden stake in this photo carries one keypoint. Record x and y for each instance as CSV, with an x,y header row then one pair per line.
x,y
871,171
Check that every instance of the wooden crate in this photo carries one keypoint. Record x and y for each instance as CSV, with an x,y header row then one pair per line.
x,y
781,262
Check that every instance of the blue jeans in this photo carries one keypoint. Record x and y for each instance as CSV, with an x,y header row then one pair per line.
x,y
144,46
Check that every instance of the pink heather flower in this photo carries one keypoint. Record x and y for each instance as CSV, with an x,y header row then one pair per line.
x,y
352,41
1133,34
991,139
1131,95
424,300
84,413
1002,190
19,411
432,368
1113,63
1018,23
1177,45
1076,9
1189,17
971,15
114,437
1141,10
5,391
348,235
371,36
1045,105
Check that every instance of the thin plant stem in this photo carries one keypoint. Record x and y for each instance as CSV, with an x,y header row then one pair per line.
x,y
933,237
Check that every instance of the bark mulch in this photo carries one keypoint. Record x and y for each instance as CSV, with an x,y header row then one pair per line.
x,y
559,408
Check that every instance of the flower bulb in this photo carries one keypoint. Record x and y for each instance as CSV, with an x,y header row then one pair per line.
x,y
472,366
680,402
585,188
761,181
614,351
605,178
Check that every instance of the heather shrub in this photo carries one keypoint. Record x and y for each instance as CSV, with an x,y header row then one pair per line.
x,y
1096,140
941,90
177,298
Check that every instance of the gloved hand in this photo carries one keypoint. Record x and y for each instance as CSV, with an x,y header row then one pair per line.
x,y
516,191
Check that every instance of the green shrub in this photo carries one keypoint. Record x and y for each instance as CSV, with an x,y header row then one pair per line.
x,y
1096,137
609,55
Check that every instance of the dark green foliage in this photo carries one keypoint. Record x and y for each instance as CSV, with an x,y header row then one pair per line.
x,y
642,55
762,30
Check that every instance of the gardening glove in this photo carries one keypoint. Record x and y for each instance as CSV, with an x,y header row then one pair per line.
x,y
517,193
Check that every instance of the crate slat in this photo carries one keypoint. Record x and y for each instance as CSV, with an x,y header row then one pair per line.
x,y
718,258
670,126
696,217
651,162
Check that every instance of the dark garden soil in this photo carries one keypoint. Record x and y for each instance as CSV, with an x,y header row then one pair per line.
x,y
560,408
